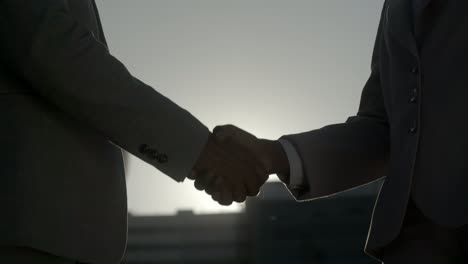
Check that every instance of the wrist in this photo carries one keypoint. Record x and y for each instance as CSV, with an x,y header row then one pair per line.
x,y
276,161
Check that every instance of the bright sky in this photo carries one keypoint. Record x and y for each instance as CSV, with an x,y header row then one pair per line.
x,y
272,67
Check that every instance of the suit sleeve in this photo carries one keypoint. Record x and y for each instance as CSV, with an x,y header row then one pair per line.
x,y
343,156
67,66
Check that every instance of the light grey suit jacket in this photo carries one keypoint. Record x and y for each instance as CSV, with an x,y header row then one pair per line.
x,y
67,107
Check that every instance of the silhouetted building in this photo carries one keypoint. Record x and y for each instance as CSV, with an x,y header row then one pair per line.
x,y
331,230
273,229
188,238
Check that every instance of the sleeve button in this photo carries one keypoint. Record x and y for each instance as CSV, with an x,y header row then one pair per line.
x,y
162,158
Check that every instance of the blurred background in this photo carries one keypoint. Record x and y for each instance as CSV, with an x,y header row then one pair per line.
x,y
272,67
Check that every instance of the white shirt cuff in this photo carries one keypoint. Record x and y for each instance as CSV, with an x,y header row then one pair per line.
x,y
296,175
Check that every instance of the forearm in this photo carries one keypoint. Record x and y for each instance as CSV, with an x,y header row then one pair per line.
x,y
342,156
62,61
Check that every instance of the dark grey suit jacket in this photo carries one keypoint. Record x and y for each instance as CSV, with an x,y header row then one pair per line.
x,y
411,125
67,106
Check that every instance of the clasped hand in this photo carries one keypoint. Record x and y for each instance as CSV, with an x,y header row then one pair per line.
x,y
233,165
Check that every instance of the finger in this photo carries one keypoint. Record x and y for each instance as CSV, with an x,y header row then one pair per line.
x,y
199,185
211,182
226,198
200,180
216,196
239,197
223,133
218,132
251,188
193,174
218,186
223,194
239,192
205,180
225,184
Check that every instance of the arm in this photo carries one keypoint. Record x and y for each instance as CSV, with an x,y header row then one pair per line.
x,y
62,62
329,160
343,156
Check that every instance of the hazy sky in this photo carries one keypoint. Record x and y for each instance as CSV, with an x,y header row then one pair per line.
x,y
272,67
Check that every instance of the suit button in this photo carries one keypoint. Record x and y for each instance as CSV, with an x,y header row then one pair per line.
x,y
414,96
153,154
415,70
413,130
162,158
143,149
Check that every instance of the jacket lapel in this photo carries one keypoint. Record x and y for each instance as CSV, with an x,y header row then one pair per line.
x,y
399,20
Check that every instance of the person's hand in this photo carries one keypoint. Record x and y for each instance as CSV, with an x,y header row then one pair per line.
x,y
267,154
235,164
226,175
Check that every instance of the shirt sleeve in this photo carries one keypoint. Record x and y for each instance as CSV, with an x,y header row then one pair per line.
x,y
297,180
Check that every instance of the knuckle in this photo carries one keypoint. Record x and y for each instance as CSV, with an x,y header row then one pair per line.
x,y
199,186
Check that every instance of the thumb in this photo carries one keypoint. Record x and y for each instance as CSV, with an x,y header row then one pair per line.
x,y
221,133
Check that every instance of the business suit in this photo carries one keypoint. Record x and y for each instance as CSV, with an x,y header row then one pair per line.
x,y
410,125
67,106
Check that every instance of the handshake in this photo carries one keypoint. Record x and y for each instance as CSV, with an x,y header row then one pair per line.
x,y
235,164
